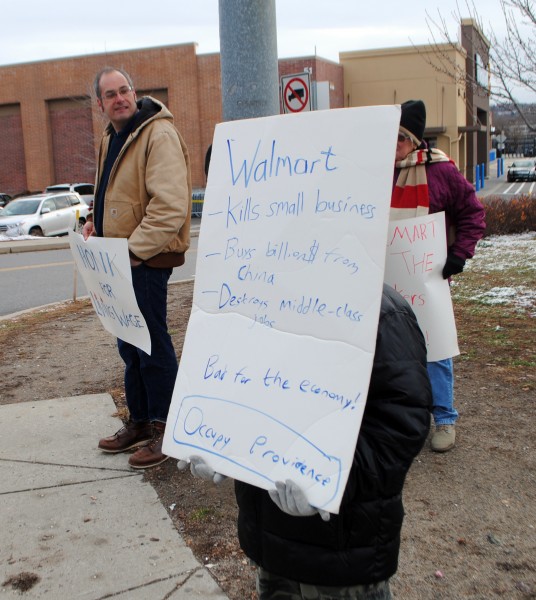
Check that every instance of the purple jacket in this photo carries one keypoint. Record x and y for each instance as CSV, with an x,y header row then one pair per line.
x,y
449,191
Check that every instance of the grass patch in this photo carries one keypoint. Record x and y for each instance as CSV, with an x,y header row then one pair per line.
x,y
202,514
495,306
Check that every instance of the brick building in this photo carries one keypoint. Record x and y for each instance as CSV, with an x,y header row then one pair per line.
x,y
50,125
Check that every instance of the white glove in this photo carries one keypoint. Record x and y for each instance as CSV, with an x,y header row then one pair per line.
x,y
199,468
290,499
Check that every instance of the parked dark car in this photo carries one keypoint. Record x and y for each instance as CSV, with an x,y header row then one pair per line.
x,y
522,170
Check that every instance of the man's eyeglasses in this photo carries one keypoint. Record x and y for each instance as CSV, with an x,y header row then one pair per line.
x,y
402,137
122,91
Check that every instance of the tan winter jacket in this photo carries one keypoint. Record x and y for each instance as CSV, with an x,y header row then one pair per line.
x,y
149,195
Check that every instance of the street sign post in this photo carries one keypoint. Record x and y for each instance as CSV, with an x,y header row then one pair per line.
x,y
296,93
501,138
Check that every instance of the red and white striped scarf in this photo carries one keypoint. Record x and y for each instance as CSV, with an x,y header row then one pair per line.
x,y
410,195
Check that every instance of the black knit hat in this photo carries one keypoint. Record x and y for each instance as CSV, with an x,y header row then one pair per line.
x,y
413,119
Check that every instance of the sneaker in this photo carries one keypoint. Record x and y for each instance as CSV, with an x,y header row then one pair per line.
x,y
132,435
151,454
443,438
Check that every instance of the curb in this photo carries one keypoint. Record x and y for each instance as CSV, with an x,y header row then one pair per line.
x,y
53,243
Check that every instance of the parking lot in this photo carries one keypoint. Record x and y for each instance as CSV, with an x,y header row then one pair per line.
x,y
499,186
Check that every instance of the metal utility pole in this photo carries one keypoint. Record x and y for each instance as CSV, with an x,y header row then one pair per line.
x,y
248,54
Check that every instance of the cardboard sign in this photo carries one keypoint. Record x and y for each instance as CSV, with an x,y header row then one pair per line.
x,y
104,265
416,255
279,348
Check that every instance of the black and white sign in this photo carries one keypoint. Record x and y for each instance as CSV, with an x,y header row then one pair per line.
x,y
296,93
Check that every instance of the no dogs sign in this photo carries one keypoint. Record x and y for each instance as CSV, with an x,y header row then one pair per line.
x,y
296,93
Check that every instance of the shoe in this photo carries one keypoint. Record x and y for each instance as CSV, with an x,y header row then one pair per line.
x,y
151,454
132,435
443,438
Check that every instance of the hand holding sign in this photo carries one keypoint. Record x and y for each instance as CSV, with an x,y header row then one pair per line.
x,y
199,468
291,500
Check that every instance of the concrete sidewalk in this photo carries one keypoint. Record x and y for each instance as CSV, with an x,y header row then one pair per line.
x,y
79,523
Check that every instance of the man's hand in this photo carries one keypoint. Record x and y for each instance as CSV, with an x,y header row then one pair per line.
x,y
89,229
291,500
199,468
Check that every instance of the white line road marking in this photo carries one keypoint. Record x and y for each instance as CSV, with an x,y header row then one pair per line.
x,y
23,268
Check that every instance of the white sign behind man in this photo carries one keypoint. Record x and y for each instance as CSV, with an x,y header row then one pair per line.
x,y
416,254
105,268
279,348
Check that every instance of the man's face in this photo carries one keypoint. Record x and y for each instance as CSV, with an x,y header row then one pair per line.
x,y
118,100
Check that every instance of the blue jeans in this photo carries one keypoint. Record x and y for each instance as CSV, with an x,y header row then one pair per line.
x,y
441,375
150,379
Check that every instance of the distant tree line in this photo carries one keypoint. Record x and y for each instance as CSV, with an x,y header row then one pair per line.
x,y
510,133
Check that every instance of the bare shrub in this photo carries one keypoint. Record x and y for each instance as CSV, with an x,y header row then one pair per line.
x,y
509,216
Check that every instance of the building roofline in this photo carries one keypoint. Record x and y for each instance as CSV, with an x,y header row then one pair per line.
x,y
97,54
411,49
149,49
310,57
476,26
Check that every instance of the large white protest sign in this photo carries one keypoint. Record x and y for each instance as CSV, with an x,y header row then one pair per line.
x,y
416,254
105,268
279,347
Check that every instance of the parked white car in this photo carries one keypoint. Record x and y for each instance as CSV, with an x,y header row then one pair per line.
x,y
43,215
84,190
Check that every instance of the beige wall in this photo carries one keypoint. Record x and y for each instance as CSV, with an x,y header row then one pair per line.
x,y
394,75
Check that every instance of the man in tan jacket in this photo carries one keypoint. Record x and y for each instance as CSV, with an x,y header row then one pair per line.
x,y
143,193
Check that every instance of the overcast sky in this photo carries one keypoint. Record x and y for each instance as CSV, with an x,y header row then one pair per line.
x,y
37,30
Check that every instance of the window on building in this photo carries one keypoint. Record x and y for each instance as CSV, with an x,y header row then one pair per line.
x,y
481,72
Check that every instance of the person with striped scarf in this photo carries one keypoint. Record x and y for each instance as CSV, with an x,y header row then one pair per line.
x,y
427,181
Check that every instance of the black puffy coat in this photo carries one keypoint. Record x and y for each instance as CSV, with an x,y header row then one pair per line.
x,y
360,545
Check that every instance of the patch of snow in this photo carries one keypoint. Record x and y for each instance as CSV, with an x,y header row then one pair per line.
x,y
14,238
504,253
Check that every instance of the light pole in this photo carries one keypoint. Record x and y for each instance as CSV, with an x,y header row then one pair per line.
x,y
248,54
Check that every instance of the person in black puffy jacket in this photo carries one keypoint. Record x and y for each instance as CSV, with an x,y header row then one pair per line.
x,y
304,553
353,554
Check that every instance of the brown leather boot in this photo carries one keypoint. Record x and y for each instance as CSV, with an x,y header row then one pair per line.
x,y
132,435
151,454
